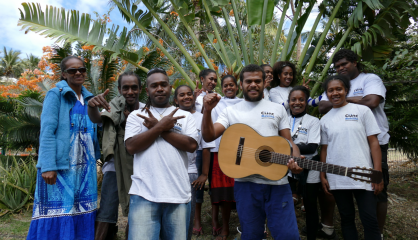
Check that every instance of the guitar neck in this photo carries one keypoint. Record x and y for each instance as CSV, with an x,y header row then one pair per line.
x,y
283,159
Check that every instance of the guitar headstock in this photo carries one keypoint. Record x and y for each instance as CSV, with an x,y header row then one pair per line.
x,y
365,174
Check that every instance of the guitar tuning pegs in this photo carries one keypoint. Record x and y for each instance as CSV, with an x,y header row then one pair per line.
x,y
357,167
370,168
364,168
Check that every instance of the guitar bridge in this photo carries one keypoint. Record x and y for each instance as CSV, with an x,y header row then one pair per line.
x,y
239,151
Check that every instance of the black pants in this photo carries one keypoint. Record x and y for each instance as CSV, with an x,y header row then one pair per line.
x,y
366,203
310,200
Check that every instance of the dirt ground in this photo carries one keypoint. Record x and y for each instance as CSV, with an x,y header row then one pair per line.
x,y
401,222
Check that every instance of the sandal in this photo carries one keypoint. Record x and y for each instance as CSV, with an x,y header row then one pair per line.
x,y
295,200
216,231
303,208
197,231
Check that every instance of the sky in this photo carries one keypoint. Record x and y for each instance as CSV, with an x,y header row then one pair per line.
x,y
12,37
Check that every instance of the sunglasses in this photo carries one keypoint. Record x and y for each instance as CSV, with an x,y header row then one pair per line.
x,y
75,70
154,70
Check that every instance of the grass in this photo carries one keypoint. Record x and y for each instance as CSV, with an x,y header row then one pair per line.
x,y
15,226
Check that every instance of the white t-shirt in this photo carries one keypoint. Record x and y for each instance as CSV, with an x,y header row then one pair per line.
x,y
199,101
267,118
160,171
345,131
365,84
310,132
279,94
202,144
266,94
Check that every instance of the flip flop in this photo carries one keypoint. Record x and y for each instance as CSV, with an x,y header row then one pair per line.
x,y
197,231
216,231
222,237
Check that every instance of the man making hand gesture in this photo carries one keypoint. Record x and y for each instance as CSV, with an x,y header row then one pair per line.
x,y
160,136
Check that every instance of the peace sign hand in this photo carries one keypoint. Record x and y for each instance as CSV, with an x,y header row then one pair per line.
x,y
168,122
305,84
197,91
100,101
150,121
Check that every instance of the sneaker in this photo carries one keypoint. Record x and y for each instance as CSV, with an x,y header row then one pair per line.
x,y
239,229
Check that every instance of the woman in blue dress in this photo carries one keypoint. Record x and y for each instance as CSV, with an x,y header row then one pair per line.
x,y
66,187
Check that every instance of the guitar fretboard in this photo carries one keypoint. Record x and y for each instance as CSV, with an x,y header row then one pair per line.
x,y
283,159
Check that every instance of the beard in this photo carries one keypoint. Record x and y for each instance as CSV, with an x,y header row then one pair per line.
x,y
253,99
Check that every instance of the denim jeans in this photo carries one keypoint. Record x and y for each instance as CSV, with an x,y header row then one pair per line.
x,y
150,220
192,178
366,203
199,192
109,199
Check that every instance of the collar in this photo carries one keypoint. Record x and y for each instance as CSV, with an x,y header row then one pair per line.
x,y
298,115
64,88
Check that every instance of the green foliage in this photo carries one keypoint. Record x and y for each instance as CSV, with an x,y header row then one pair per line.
x,y
10,63
17,184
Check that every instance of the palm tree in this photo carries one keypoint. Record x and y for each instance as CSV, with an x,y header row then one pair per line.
x,y
10,63
30,62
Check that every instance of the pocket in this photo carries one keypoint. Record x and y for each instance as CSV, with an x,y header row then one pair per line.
x,y
60,149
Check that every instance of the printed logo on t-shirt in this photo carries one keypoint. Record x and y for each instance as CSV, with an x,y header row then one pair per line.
x,y
303,131
351,117
358,91
177,127
267,115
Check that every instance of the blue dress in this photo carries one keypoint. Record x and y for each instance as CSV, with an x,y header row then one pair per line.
x,y
67,209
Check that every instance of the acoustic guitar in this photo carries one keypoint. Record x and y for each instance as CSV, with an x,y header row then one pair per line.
x,y
244,152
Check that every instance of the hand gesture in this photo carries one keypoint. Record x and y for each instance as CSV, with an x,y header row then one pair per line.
x,y
149,121
199,183
50,177
378,187
168,121
305,84
100,101
197,91
210,100
293,166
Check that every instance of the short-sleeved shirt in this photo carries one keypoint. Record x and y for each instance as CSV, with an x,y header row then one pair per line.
x,y
345,131
199,101
279,94
202,144
267,118
266,94
160,171
309,132
365,84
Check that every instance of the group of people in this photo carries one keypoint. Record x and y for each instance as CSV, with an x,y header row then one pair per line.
x,y
159,155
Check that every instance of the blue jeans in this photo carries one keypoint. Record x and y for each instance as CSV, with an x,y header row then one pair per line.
x,y
192,178
199,192
109,201
150,220
255,202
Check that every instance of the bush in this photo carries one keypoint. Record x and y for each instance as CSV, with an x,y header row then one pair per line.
x,y
17,184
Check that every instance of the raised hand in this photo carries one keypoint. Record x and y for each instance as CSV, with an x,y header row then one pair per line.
x,y
100,101
210,100
167,122
150,121
197,91
305,84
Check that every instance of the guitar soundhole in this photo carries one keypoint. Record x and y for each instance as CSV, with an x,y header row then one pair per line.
x,y
264,156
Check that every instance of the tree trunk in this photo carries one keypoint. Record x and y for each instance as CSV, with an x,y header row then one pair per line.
x,y
299,43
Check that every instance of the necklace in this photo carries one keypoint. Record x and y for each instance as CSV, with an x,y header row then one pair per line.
x,y
297,131
161,114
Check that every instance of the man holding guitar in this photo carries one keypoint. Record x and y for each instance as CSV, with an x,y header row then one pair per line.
x,y
257,197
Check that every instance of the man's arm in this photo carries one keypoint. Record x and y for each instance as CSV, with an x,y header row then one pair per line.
x,y
372,100
324,106
94,104
377,160
210,131
180,141
292,165
142,141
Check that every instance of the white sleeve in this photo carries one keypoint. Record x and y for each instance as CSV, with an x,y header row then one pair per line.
x,y
374,85
223,118
314,132
369,122
284,119
190,128
324,97
208,144
133,125
275,96
324,135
